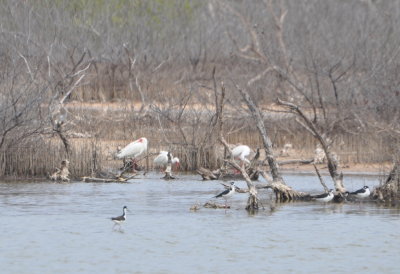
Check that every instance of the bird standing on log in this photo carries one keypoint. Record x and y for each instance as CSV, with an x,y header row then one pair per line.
x,y
325,197
361,193
133,150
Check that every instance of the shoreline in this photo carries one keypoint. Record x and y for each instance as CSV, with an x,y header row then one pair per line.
x,y
365,170
375,169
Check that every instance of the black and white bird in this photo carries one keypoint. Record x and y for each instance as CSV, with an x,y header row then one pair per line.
x,y
227,193
325,197
120,219
362,192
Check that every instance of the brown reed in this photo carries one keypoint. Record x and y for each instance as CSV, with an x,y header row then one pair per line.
x,y
90,155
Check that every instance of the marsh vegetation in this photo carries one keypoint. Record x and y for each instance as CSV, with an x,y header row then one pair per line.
x,y
80,78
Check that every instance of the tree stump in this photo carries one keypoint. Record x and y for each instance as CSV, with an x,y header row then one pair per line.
x,y
62,173
389,191
168,170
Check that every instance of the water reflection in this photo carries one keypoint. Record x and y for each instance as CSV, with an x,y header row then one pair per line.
x,y
49,227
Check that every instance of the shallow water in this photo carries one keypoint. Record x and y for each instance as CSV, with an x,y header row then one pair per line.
x,y
65,228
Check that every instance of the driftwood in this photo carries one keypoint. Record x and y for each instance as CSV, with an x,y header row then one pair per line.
x,y
129,170
208,174
121,175
62,173
296,161
215,205
107,180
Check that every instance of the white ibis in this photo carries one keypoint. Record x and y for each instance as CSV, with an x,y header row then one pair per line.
x,y
134,149
362,192
240,153
325,197
162,160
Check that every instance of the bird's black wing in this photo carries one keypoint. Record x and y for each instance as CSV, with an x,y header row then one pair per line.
x,y
226,191
319,196
119,218
358,191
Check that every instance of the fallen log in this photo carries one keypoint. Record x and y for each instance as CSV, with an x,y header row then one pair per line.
x,y
296,161
215,205
207,174
107,180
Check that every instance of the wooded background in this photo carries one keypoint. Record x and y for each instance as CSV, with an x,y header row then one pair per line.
x,y
104,73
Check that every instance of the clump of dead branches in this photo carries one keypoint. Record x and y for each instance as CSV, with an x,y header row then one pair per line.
x,y
389,191
62,173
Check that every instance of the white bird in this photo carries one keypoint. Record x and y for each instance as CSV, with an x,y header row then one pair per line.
x,y
241,152
162,160
134,149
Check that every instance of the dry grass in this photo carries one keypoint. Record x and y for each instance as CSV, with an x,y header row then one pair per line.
x,y
117,124
90,155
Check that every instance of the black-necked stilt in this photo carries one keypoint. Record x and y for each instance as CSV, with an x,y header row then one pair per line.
x,y
325,197
120,219
362,192
227,193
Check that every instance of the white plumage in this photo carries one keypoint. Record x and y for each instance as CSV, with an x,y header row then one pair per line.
x,y
241,152
134,149
162,160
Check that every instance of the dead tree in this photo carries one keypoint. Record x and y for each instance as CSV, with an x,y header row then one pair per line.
x,y
281,190
68,83
311,127
252,201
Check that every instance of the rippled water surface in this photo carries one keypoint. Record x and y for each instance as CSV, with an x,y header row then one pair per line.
x,y
65,228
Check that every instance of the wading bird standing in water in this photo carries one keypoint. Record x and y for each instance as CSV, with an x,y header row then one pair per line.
x,y
227,193
120,219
